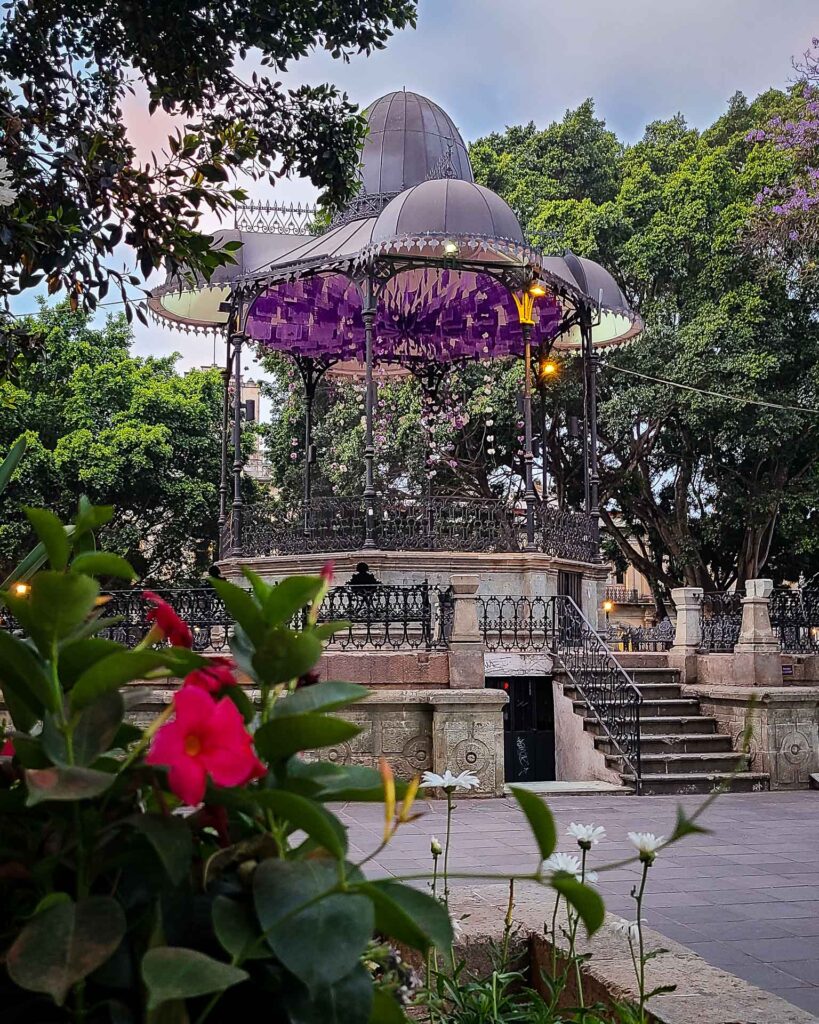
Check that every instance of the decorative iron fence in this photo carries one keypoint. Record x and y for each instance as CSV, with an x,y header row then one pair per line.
x,y
514,623
378,617
641,638
795,619
720,621
332,524
621,595
601,682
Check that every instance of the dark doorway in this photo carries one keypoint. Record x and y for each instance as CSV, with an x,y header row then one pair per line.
x,y
570,584
528,728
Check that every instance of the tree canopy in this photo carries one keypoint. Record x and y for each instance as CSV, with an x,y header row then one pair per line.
x,y
72,187
126,431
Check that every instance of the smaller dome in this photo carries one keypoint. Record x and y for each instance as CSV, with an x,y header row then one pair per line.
x,y
447,206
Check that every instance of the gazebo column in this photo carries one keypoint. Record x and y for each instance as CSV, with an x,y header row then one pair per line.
x,y
223,471
236,522
591,466
528,456
311,370
368,315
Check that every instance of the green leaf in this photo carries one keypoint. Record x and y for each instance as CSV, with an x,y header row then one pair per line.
x,y
685,827
93,732
11,461
289,597
386,1009
585,900
171,972
171,839
80,654
281,737
540,820
113,671
324,630
324,828
56,605
64,944
65,784
260,588
241,607
348,1001
409,916
342,781
52,533
91,517
238,696
237,930
329,696
282,655
24,674
102,563
316,933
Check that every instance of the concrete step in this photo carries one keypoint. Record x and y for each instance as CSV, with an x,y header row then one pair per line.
x,y
656,708
686,764
684,783
692,743
659,691
642,659
669,708
654,675
677,725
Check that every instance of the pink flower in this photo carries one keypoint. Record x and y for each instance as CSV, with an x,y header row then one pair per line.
x,y
166,619
7,750
327,571
217,674
205,738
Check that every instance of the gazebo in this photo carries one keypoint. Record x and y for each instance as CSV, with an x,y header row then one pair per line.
x,y
423,270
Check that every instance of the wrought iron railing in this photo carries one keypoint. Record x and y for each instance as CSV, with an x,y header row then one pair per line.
x,y
514,623
621,595
200,607
378,617
275,218
641,638
720,620
599,679
795,620
449,523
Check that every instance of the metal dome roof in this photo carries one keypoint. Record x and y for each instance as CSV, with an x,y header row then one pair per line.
x,y
410,139
447,206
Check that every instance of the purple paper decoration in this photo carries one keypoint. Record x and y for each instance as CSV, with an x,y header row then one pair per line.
x,y
422,315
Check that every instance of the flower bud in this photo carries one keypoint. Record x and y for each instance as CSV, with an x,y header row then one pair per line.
x,y
435,847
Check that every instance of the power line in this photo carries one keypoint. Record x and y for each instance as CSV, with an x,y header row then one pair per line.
x,y
712,394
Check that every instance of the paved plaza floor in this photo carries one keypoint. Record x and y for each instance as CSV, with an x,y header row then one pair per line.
x,y
745,897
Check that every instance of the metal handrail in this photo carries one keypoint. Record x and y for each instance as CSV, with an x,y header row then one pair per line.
x,y
577,644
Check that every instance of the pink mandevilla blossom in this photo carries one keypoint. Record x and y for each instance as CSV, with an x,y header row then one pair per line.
x,y
204,738
213,677
7,750
166,619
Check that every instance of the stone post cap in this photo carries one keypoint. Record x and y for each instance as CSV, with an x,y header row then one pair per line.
x,y
686,596
756,589
464,584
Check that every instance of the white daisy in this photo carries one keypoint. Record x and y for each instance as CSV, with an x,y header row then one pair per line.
x,y
628,929
587,836
569,863
466,780
435,847
646,844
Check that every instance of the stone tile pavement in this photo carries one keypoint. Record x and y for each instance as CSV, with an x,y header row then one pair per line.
x,y
745,897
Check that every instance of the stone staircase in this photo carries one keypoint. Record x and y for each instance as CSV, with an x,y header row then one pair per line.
x,y
681,750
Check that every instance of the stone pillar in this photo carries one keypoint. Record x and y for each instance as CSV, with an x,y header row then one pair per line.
x,y
757,660
467,735
688,635
465,643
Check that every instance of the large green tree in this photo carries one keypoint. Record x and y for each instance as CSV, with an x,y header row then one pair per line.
x,y
696,489
126,431
72,184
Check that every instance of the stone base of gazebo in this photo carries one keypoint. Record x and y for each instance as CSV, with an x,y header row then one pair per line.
x,y
500,574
